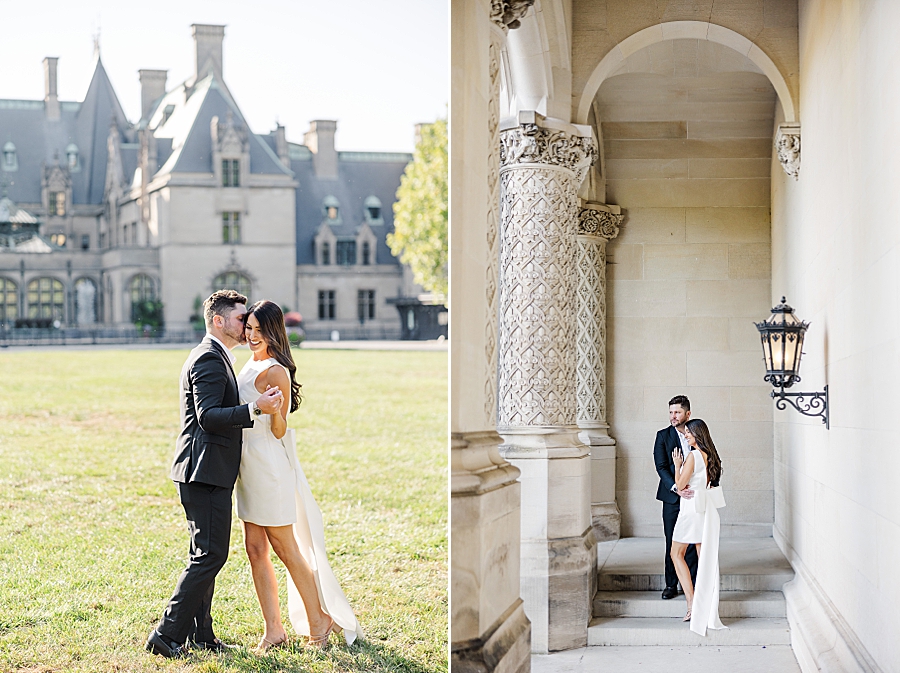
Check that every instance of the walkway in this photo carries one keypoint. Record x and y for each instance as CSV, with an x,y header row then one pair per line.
x,y
635,630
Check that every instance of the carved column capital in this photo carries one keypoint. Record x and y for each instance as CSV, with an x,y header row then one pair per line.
x,y
507,13
787,143
536,140
599,220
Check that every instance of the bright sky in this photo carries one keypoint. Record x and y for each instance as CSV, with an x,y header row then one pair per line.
x,y
376,66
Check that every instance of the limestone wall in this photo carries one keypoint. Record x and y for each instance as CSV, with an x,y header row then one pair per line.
x,y
835,236
687,136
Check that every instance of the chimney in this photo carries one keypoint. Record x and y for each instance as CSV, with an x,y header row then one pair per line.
x,y
153,87
320,141
51,100
208,49
281,146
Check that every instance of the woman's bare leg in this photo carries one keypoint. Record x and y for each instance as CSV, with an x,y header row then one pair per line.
x,y
285,546
682,570
264,580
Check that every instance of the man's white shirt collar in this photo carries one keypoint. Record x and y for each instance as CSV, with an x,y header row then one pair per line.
x,y
231,356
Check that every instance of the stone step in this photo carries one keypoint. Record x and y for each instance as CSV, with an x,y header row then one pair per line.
x,y
771,580
732,604
649,631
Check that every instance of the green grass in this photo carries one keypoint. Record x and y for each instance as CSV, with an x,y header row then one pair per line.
x,y
92,537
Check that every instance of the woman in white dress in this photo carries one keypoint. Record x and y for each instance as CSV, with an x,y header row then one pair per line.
x,y
275,504
698,524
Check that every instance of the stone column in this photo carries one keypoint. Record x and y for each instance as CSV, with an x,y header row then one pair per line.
x,y
597,224
488,627
542,163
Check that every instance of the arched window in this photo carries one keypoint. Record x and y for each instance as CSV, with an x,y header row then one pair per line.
x,y
85,301
10,160
233,280
72,157
46,299
372,209
9,301
142,290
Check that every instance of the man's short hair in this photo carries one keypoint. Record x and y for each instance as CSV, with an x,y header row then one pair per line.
x,y
221,302
681,400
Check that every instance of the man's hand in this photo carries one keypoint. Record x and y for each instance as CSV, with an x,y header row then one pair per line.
x,y
270,401
686,493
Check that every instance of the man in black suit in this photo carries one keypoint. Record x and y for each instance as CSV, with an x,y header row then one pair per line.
x,y
207,459
667,440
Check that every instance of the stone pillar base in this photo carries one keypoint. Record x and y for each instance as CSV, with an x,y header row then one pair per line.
x,y
558,546
556,584
606,521
504,648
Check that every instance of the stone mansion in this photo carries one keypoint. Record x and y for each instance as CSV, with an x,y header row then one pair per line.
x,y
99,214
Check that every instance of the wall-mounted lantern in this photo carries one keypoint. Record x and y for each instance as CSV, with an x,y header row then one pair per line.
x,y
782,342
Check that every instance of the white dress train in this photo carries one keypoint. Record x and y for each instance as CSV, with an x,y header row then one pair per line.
x,y
272,490
705,610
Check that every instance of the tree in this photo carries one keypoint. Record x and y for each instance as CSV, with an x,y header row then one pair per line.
x,y
420,213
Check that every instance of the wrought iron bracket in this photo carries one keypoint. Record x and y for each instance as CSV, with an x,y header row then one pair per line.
x,y
808,404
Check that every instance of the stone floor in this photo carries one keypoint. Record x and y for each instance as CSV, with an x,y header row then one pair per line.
x,y
633,567
730,659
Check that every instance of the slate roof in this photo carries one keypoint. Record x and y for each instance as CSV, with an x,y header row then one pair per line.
x,y
186,129
38,140
360,175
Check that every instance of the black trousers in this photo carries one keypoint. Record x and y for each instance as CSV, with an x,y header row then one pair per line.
x,y
670,516
208,512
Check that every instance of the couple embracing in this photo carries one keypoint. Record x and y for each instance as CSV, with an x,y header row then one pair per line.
x,y
234,437
689,470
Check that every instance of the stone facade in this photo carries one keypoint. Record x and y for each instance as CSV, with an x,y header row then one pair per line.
x,y
189,199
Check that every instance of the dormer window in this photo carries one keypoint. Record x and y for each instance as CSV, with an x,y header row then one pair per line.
x,y
167,112
326,253
372,208
72,156
231,172
331,209
366,254
10,160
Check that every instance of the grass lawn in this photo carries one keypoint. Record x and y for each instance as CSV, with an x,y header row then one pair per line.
x,y
92,536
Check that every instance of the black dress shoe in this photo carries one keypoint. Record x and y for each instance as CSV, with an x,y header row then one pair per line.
x,y
159,644
669,592
214,645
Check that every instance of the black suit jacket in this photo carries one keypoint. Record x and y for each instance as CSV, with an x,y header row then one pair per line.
x,y
667,440
208,450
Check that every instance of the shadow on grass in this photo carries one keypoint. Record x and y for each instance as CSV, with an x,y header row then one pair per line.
x,y
362,656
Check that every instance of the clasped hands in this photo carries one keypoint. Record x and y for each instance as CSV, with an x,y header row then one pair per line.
x,y
678,459
271,400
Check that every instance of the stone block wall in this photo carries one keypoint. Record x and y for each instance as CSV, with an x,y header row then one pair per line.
x,y
687,128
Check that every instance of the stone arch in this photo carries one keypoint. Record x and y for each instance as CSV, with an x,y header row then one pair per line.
x,y
675,30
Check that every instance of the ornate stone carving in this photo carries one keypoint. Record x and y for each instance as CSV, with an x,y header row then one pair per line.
x,y
534,144
596,225
787,143
599,223
493,208
536,382
507,13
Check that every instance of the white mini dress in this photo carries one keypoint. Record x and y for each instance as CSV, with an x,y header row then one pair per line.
x,y
689,526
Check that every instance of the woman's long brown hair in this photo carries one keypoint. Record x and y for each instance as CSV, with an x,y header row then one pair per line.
x,y
705,443
271,324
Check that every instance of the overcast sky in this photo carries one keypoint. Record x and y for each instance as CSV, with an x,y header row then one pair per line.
x,y
376,66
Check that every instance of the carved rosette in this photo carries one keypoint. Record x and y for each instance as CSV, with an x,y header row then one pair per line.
x,y
787,144
595,228
599,223
507,13
493,208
